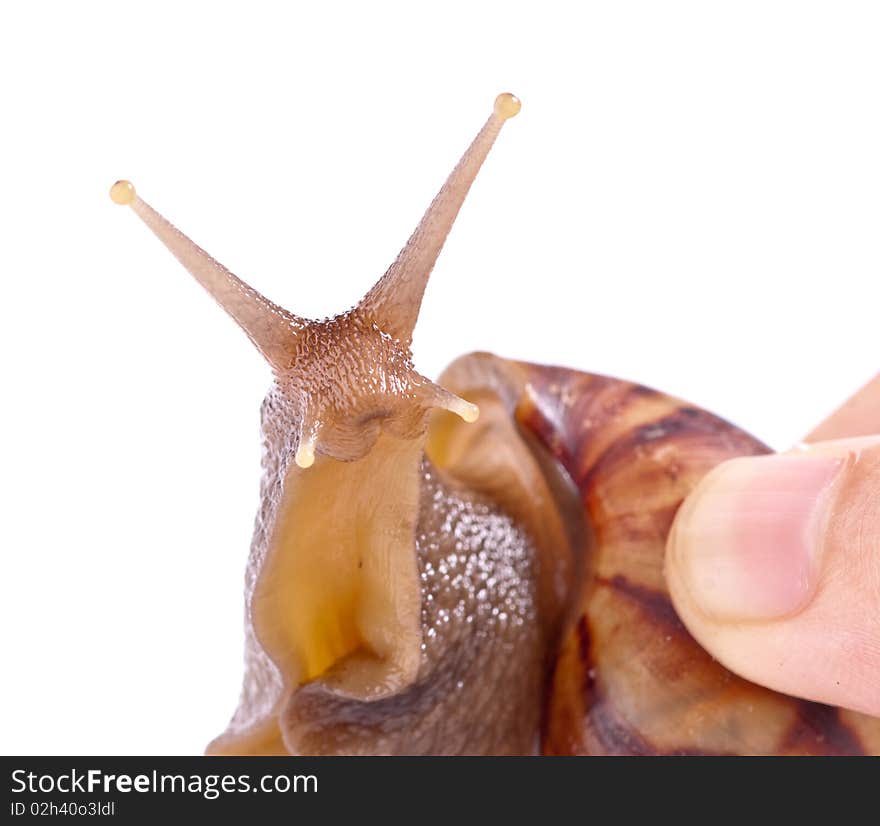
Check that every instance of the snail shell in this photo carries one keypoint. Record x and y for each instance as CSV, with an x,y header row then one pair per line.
x,y
629,678
424,581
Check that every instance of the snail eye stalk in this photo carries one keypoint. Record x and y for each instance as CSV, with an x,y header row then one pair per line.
x,y
272,329
395,300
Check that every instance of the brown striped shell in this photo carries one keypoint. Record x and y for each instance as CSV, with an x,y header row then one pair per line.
x,y
627,677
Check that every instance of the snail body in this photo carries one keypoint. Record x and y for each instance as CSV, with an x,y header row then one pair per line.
x,y
474,566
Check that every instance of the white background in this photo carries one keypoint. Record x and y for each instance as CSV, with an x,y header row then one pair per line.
x,y
690,198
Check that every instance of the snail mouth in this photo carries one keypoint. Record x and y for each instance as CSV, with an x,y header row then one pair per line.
x,y
337,597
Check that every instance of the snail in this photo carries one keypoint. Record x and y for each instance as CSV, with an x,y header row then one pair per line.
x,y
473,566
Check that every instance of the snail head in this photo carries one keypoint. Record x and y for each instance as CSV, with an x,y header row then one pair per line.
x,y
337,593
342,381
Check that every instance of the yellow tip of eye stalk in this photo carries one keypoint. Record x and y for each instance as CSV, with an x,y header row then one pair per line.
x,y
470,413
305,455
507,106
122,193
465,410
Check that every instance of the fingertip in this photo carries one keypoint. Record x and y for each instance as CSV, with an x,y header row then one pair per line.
x,y
773,565
746,545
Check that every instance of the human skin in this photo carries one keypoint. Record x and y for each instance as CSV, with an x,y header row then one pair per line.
x,y
773,562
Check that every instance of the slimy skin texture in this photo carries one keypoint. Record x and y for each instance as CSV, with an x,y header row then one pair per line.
x,y
478,690
473,566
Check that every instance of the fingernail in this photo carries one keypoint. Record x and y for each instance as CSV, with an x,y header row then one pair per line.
x,y
747,542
